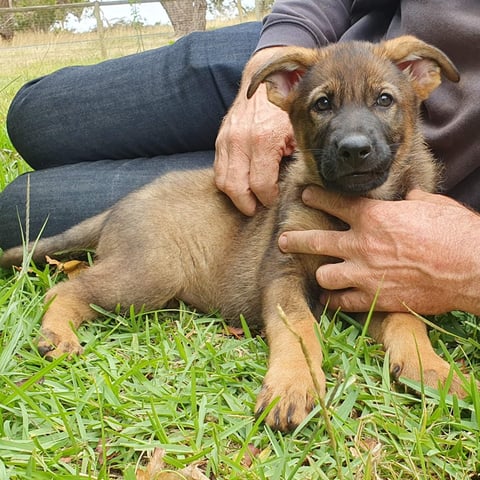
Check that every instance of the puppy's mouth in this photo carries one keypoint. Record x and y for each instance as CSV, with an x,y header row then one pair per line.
x,y
358,183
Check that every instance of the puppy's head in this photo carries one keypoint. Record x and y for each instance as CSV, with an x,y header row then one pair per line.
x,y
354,106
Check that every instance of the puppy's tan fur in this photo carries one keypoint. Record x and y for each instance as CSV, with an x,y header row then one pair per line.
x,y
179,237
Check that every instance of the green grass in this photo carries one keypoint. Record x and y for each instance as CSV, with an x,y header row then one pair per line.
x,y
175,380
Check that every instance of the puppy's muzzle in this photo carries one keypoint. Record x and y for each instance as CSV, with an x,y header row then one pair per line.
x,y
360,167
353,152
355,163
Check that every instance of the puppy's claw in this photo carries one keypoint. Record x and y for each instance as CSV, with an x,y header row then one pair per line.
x,y
296,394
44,349
259,411
54,345
433,371
290,414
396,370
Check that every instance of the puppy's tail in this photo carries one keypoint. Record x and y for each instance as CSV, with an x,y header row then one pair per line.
x,y
83,236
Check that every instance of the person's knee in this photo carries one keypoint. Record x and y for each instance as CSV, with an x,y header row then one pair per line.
x,y
227,47
15,114
23,117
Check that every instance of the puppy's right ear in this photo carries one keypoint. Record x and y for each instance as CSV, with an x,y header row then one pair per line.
x,y
282,73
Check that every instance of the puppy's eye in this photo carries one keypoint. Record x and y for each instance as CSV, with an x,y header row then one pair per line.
x,y
384,100
322,104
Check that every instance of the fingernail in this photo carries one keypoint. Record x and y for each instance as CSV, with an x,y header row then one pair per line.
x,y
283,242
325,299
307,195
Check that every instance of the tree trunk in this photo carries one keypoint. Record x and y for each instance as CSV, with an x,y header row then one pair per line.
x,y
7,22
240,10
186,15
260,9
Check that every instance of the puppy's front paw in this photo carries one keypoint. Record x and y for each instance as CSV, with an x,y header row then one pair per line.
x,y
431,369
297,393
53,345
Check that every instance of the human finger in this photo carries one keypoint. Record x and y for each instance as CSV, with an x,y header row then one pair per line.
x,y
232,169
351,300
340,206
252,140
315,242
263,180
269,145
421,195
220,164
233,180
336,276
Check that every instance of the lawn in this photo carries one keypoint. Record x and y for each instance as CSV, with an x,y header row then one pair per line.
x,y
170,394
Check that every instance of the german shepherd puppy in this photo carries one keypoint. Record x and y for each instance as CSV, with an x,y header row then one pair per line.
x,y
354,108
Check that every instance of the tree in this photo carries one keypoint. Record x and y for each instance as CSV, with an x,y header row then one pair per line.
x,y
262,7
35,19
7,21
186,15
189,15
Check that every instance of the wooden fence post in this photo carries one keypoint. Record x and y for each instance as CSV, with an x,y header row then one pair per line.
x,y
101,33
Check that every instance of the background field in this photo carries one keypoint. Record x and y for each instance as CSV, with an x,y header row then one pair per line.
x,y
157,392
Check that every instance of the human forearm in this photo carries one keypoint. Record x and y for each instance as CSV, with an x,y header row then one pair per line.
x,y
468,284
305,23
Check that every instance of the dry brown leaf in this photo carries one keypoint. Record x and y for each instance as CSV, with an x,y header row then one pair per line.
x,y
102,451
156,470
52,261
169,476
71,267
25,380
192,472
154,467
367,444
236,332
250,454
374,450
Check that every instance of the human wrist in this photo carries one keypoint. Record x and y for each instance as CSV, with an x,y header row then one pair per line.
x,y
472,303
470,294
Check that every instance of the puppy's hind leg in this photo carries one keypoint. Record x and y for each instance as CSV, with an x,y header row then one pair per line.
x,y
68,307
105,284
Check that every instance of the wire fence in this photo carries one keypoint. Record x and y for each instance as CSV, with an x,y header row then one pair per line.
x,y
100,29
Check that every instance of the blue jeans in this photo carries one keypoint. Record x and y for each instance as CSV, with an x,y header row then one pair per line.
x,y
95,133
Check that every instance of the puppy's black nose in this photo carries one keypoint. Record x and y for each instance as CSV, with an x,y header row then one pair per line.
x,y
353,149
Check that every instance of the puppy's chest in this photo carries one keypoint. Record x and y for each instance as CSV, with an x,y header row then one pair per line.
x,y
294,215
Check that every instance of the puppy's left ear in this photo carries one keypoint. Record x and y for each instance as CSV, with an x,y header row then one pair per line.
x,y
423,62
282,73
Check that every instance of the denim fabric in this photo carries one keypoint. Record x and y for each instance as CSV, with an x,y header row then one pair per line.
x,y
114,126
159,102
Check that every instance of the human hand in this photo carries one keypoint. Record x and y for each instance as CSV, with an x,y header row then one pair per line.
x,y
422,253
252,140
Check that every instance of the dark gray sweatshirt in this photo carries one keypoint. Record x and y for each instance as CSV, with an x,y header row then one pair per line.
x,y
452,114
